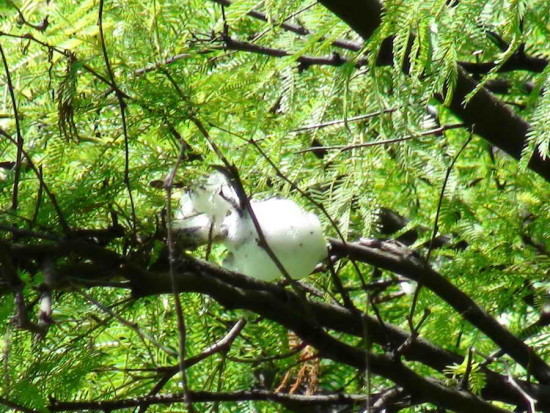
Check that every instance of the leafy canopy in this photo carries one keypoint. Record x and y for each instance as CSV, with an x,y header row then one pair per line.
x,y
102,110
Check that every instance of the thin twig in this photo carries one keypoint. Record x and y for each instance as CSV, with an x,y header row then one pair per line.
x,y
335,226
442,194
342,121
320,206
21,315
122,106
285,21
340,287
43,25
45,307
464,383
435,230
202,396
233,173
182,331
222,345
530,400
296,28
305,61
66,53
343,148
258,360
144,336
38,199
51,196
6,360
19,156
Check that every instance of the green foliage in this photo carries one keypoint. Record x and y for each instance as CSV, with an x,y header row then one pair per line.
x,y
70,121
476,378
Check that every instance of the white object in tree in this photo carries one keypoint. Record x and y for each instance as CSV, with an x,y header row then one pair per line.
x,y
406,286
204,208
294,235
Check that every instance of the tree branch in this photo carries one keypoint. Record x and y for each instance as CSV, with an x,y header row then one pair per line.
x,y
265,299
486,115
296,28
305,61
282,306
203,396
404,262
519,61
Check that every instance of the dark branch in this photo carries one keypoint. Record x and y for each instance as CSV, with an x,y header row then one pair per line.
x,y
296,28
486,115
518,61
282,306
306,61
404,262
202,397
